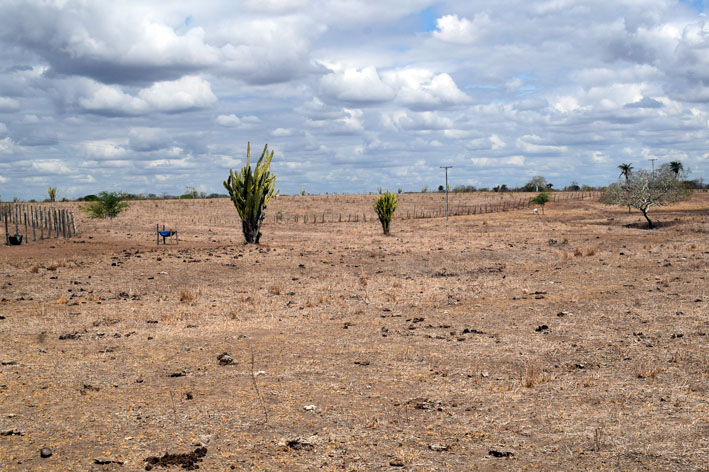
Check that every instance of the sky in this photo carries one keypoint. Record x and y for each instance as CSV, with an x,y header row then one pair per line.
x,y
352,95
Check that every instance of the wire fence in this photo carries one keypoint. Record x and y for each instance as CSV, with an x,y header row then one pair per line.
x,y
23,222
424,212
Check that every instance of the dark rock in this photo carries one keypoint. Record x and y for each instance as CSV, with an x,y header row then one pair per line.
x,y
104,461
45,452
187,461
396,463
495,453
541,328
225,359
472,331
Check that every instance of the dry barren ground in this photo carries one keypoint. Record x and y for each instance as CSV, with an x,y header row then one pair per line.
x,y
576,340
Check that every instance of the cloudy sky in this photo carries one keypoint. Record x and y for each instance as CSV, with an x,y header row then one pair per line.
x,y
352,95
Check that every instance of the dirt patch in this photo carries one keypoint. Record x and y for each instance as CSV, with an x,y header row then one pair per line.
x,y
569,340
187,461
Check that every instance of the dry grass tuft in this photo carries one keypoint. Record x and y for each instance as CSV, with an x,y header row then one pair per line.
x,y
590,250
362,279
63,300
530,376
578,252
646,371
274,289
186,296
34,269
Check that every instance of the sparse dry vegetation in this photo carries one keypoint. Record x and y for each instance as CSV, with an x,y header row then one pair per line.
x,y
425,350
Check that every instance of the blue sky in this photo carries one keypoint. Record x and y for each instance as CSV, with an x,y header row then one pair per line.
x,y
352,95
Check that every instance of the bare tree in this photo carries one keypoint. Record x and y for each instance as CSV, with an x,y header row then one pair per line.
x,y
642,191
536,184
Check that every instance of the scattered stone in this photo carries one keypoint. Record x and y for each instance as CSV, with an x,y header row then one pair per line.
x,y
152,321
104,461
2,317
361,362
225,359
15,362
178,374
45,452
309,407
561,314
541,328
495,453
11,432
187,461
189,396
424,404
74,335
438,447
472,331
385,331
347,325
299,443
396,463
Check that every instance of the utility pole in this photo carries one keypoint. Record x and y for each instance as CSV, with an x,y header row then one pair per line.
x,y
446,168
653,159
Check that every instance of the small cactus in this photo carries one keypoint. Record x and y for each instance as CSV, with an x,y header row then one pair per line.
x,y
385,208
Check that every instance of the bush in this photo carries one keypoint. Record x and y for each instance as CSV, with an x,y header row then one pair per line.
x,y
106,205
385,208
541,199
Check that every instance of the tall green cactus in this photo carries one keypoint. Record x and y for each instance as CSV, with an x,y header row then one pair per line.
x,y
251,192
385,208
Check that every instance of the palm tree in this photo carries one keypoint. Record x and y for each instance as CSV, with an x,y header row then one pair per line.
x,y
676,167
625,170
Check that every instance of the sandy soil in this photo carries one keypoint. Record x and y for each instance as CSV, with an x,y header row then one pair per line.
x,y
576,340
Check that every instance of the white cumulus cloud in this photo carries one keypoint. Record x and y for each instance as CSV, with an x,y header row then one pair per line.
x,y
228,121
352,85
187,93
453,29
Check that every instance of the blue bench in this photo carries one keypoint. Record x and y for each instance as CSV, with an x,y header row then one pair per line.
x,y
165,234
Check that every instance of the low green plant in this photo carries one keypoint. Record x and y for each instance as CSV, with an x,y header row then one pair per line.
x,y
541,199
106,205
251,191
385,207
52,191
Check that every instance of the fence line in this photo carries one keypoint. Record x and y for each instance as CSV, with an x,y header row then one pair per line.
x,y
416,213
35,221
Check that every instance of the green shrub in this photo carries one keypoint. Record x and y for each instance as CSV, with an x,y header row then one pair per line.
x,y
541,199
385,208
106,205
